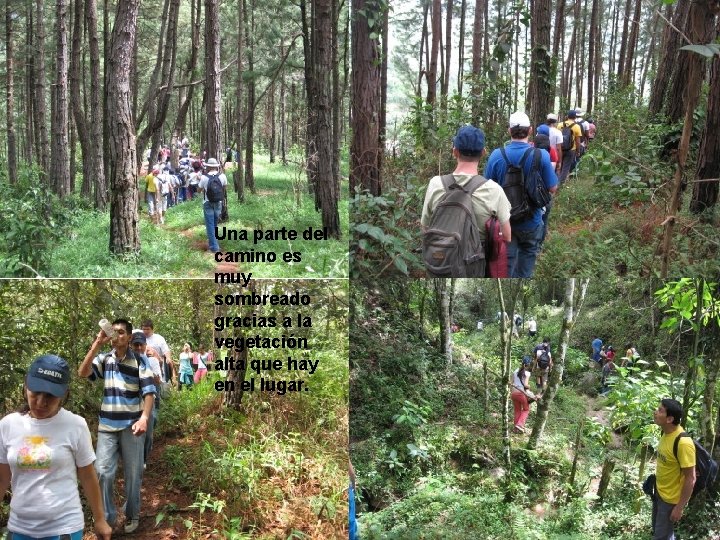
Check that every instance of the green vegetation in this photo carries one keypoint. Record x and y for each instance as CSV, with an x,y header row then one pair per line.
x,y
426,435
66,238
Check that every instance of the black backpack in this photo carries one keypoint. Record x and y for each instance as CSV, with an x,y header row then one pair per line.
x,y
543,360
452,245
214,189
515,191
568,136
706,468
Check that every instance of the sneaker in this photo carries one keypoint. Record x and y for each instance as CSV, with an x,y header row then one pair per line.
x,y
518,429
132,525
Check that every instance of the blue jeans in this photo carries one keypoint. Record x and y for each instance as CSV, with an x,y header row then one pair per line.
x,y
112,445
523,251
211,211
663,528
568,164
77,535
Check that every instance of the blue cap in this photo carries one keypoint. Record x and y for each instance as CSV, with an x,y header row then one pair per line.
x,y
543,129
138,337
527,360
49,374
571,113
469,139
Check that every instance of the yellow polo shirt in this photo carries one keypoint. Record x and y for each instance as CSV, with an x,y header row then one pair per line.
x,y
575,128
669,476
150,183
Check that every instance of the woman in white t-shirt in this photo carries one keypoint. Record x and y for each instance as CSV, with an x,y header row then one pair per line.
x,y
44,451
202,362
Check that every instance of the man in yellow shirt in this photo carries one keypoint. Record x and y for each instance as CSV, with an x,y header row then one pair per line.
x,y
152,194
569,154
675,475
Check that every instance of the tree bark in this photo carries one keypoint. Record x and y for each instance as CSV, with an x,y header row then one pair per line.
x,y
632,45
623,43
461,47
448,50
540,91
10,95
250,120
477,58
43,150
76,99
124,230
97,167
436,21
680,76
571,306
442,298
59,155
364,171
213,101
238,176
705,193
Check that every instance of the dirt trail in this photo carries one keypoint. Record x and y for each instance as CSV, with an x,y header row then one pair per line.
x,y
202,245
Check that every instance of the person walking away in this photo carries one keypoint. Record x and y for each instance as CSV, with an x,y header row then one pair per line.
x,y
126,409
213,186
44,450
571,134
532,327
596,345
675,476
186,370
138,342
156,342
202,365
152,194
556,139
519,395
527,233
542,364
591,129
542,141
488,200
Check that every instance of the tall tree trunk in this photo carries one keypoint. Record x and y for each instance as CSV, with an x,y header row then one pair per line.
x,y
213,102
540,91
238,175
461,47
39,107
76,98
448,49
631,45
250,118
705,189
436,21
594,37
423,50
59,155
382,116
31,143
700,29
623,43
668,51
10,105
442,298
326,191
186,93
649,57
680,77
364,171
571,307
96,158
506,326
477,58
124,231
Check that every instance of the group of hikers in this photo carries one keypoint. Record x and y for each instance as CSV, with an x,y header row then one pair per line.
x,y
165,187
494,224
603,357
45,449
538,366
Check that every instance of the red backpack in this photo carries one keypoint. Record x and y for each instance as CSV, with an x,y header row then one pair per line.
x,y
495,249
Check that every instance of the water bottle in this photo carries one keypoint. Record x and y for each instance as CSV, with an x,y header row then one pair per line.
x,y
107,328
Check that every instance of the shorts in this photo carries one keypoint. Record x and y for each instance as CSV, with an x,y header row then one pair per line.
x,y
150,200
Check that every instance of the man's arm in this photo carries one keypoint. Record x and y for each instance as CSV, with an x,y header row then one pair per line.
x,y
85,369
685,494
140,427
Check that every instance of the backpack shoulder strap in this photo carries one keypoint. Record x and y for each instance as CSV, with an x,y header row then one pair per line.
x,y
474,183
525,156
504,155
676,443
447,181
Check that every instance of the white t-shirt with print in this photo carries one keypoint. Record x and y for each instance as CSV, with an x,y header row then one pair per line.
x,y
43,455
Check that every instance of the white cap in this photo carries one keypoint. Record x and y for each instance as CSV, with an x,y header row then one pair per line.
x,y
519,119
579,113
552,116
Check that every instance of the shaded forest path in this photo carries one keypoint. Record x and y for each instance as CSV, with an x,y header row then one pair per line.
x,y
159,496
202,245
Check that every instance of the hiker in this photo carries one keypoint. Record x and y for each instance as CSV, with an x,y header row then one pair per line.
x,y
556,138
488,200
608,370
610,354
571,133
138,342
542,363
675,476
527,233
194,178
592,128
213,186
532,327
631,354
584,127
158,343
126,409
186,371
596,346
520,393
203,359
542,141
44,450
152,194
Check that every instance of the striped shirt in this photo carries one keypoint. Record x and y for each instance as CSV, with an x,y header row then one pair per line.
x,y
127,382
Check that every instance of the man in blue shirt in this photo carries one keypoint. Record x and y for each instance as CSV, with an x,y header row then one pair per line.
x,y
596,347
527,235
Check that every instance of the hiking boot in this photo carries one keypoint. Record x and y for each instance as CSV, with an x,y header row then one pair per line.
x,y
132,525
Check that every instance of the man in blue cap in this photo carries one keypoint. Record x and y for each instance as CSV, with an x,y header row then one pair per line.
x,y
488,199
527,235
570,148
